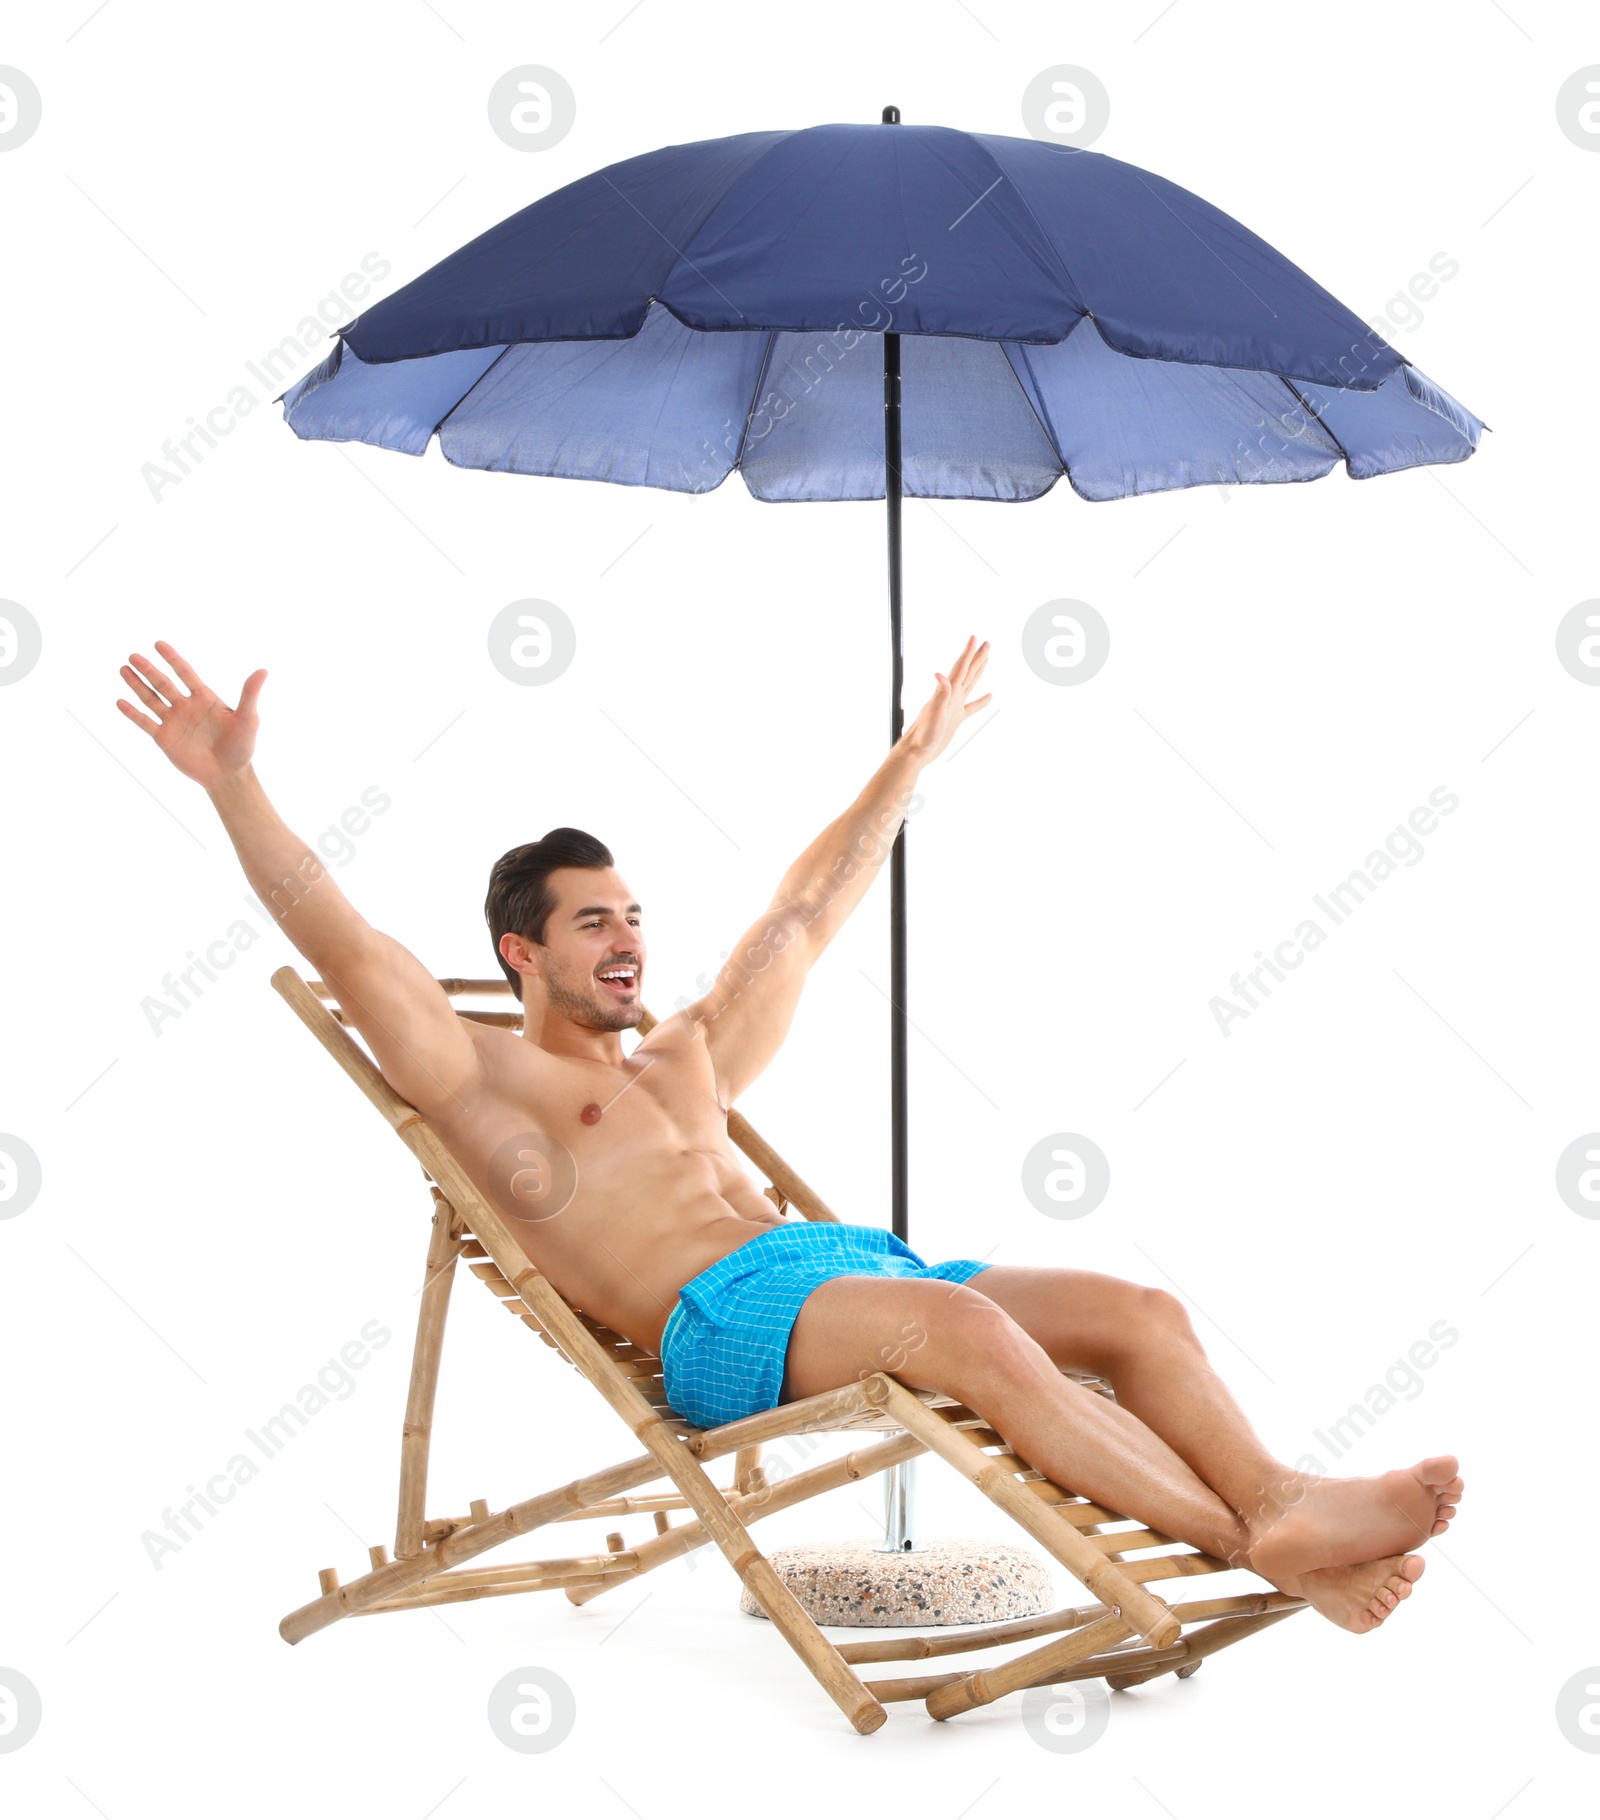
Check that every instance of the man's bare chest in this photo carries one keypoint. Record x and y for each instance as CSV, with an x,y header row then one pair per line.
x,y
542,1131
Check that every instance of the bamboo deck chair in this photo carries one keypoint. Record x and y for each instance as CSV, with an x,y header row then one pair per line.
x,y
1127,1633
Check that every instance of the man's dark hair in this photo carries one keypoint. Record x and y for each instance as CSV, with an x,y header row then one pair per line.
x,y
520,899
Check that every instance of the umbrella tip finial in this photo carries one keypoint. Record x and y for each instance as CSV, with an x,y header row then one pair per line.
x,y
891,116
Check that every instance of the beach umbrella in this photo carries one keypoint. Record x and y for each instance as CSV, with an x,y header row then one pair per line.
x,y
872,312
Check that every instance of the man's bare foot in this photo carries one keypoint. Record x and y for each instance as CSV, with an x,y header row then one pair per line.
x,y
1344,1522
1356,1598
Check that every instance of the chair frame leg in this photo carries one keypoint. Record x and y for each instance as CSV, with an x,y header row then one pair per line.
x,y
837,1679
444,1247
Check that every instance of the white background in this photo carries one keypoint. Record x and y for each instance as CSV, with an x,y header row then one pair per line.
x,y
1370,1153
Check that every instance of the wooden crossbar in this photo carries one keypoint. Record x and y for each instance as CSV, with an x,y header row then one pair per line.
x,y
1128,1635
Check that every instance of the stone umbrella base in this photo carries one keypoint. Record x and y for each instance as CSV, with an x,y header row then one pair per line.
x,y
854,1583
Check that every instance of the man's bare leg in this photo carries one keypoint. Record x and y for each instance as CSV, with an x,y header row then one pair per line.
x,y
1142,1340
932,1335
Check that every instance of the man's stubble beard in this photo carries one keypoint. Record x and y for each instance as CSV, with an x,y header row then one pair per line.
x,y
587,1009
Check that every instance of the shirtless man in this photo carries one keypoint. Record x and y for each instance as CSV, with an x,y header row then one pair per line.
x,y
617,1172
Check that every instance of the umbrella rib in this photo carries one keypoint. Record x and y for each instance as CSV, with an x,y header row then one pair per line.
x,y
1231,375
666,393
755,398
473,387
1049,438
1306,404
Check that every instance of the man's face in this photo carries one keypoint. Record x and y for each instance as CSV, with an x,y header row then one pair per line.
x,y
593,955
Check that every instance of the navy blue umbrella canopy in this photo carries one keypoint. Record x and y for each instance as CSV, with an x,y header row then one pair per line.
x,y
724,305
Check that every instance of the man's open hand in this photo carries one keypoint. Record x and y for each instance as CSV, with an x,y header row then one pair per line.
x,y
948,706
205,738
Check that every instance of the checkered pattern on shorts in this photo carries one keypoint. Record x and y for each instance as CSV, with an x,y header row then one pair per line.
x,y
723,1349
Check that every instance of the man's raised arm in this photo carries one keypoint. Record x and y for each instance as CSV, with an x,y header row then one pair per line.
x,y
425,1052
747,1013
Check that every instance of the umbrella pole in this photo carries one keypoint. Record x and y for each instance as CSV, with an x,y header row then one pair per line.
x,y
899,1481
899,1192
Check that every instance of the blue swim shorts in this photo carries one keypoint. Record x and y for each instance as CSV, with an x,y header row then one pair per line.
x,y
724,1345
